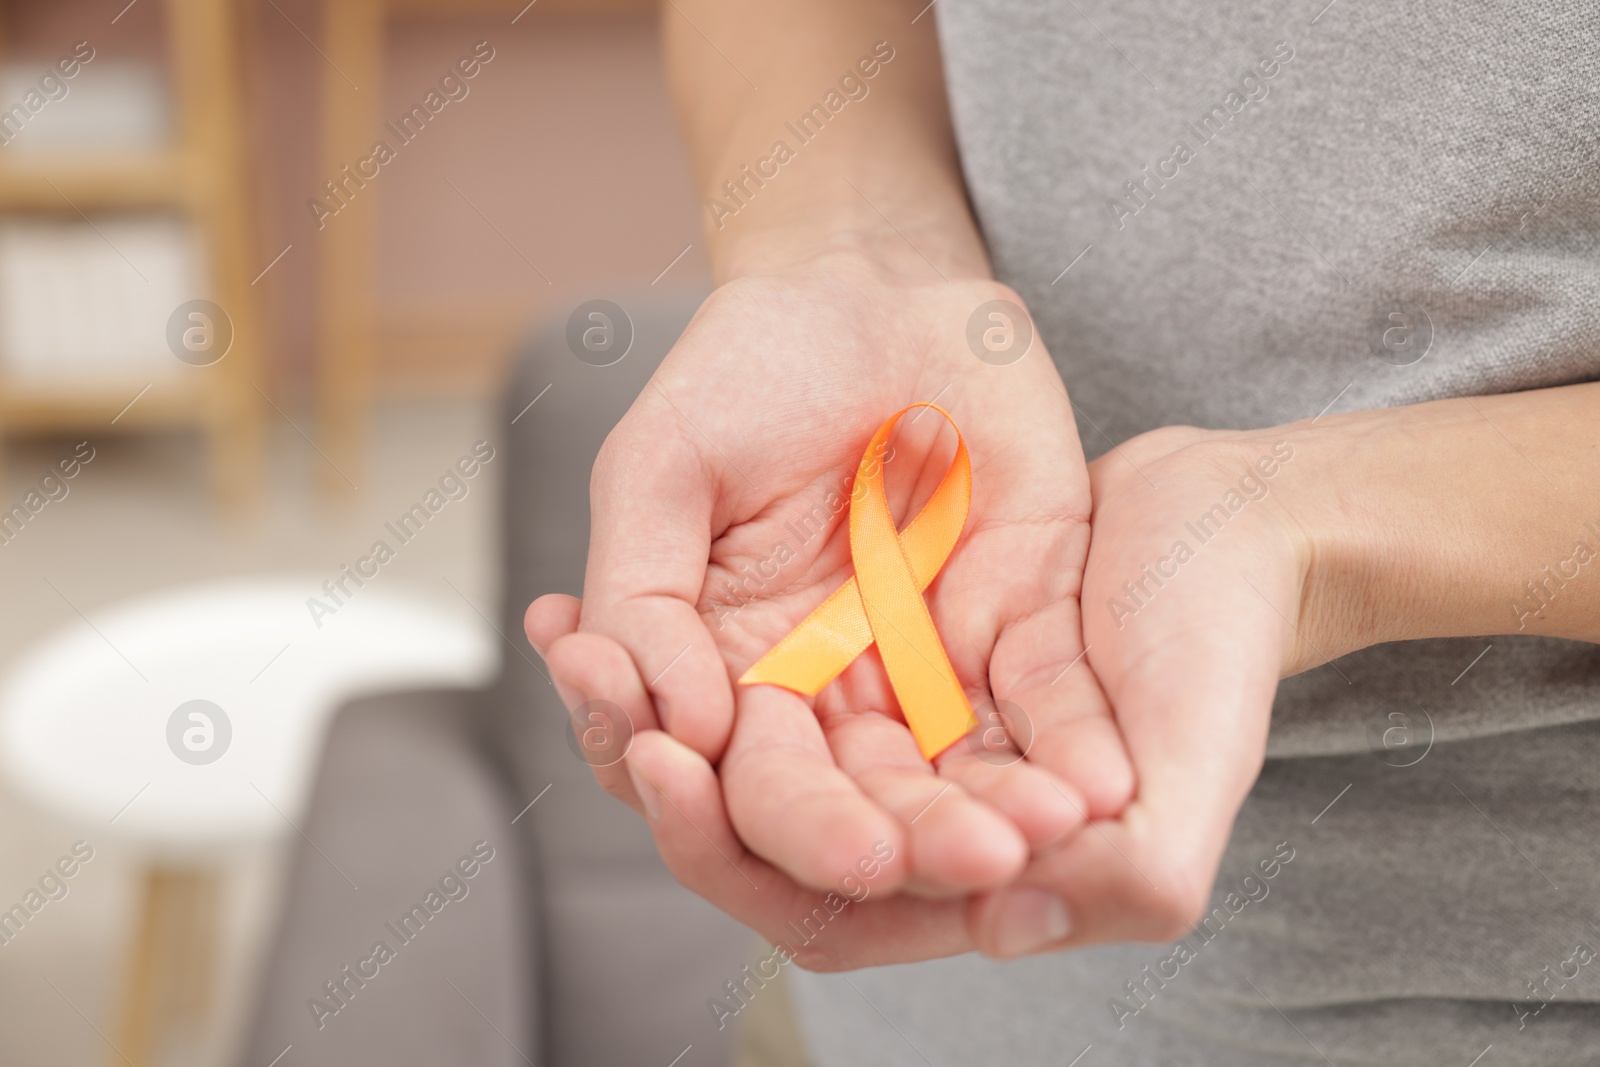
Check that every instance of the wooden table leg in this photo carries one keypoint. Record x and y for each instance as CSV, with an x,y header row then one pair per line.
x,y
170,970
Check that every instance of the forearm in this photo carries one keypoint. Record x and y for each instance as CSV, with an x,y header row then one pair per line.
x,y
878,176
1471,516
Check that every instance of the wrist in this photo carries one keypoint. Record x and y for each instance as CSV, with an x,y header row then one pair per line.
x,y
1325,546
1360,578
1425,522
796,245
913,230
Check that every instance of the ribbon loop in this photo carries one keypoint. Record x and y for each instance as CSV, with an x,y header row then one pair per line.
x,y
882,604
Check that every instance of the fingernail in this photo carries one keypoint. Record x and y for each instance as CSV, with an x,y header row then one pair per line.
x,y
1026,920
649,795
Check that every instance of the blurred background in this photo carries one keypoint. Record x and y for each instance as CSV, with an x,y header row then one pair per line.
x,y
227,360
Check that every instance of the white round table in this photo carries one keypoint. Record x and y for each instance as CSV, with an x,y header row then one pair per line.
x,y
188,721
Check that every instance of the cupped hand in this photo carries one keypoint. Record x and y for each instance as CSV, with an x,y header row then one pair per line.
x,y
1192,612
719,522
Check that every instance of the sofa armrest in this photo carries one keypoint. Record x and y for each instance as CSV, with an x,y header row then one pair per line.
x,y
408,845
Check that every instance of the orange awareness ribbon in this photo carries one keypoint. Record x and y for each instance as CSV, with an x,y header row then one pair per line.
x,y
883,603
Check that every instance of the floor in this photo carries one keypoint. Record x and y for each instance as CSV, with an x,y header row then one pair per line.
x,y
138,518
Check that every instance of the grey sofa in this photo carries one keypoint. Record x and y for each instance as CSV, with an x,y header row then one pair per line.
x,y
572,945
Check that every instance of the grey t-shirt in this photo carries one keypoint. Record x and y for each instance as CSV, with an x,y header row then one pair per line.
x,y
1235,213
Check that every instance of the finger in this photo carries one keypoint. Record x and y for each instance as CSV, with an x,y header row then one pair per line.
x,y
1051,703
549,617
1043,808
1193,699
957,843
608,704
792,804
652,498
838,930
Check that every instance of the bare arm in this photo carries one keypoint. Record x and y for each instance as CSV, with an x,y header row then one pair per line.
x,y
745,74
1459,517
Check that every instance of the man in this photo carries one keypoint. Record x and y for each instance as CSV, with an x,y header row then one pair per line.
x,y
1361,253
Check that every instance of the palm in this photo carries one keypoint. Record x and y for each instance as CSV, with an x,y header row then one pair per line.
x,y
719,525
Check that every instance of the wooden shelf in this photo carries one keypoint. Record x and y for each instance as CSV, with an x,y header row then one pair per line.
x,y
86,183
35,405
202,175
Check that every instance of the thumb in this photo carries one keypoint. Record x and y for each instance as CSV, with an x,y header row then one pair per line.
x,y
652,497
